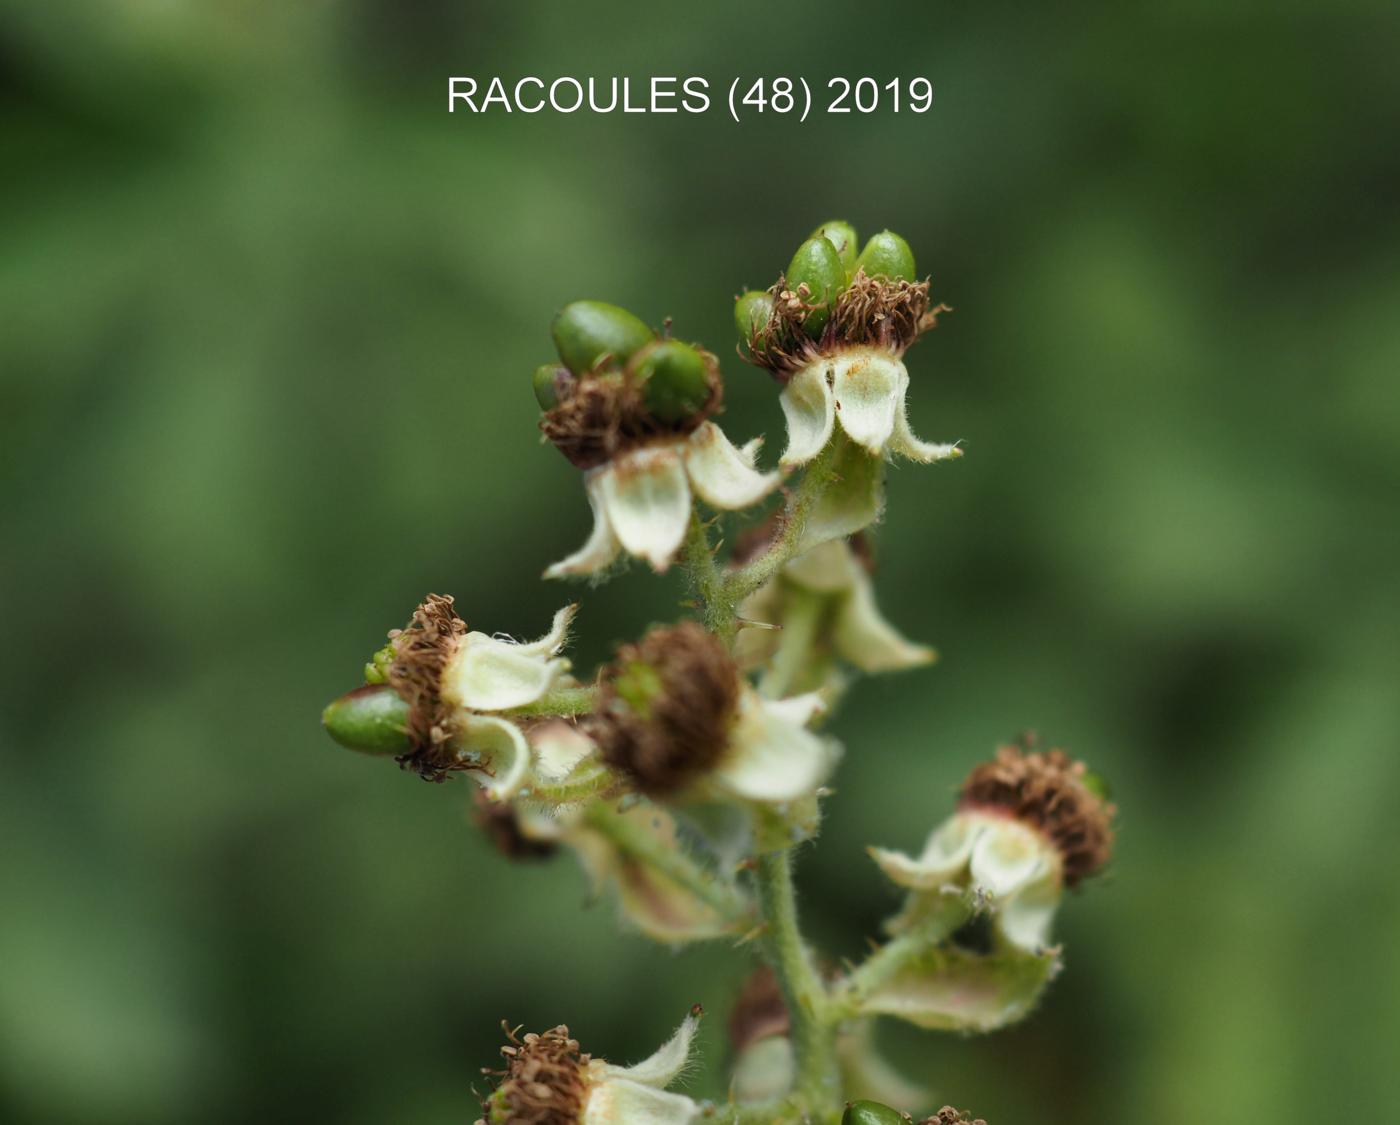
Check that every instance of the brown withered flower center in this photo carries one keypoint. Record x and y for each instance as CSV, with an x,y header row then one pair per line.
x,y
421,652
666,706
1047,791
544,1082
870,312
950,1116
601,415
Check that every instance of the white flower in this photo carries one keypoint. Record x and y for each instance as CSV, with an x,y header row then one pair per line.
x,y
855,628
641,499
864,387
1015,867
548,1075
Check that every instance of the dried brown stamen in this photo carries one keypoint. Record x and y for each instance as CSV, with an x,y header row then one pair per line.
x,y
421,652
870,312
950,1116
666,706
603,413
1047,791
544,1082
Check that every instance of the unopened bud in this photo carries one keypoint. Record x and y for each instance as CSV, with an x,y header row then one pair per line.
x,y
547,379
841,235
752,312
887,255
587,332
816,276
372,719
872,1113
674,382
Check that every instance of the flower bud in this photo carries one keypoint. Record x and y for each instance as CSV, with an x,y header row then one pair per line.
x,y
372,719
887,255
548,379
752,313
586,332
841,235
872,1113
673,380
816,276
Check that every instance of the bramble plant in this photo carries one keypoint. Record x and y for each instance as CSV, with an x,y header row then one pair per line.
x,y
688,771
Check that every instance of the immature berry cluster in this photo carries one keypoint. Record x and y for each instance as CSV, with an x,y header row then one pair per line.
x,y
685,772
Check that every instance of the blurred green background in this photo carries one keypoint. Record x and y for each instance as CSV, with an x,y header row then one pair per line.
x,y
269,315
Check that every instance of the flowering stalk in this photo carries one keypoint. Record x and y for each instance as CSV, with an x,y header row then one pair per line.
x,y
685,773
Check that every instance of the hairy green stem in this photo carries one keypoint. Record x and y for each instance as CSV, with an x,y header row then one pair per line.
x,y
818,1083
561,701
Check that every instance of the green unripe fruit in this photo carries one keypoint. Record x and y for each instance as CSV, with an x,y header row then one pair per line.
x,y
372,719
818,266
752,312
672,377
841,235
586,331
546,379
871,1113
887,255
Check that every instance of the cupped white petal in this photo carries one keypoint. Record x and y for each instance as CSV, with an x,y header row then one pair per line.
x,y
559,747
666,1064
1007,856
810,411
1026,917
554,640
772,759
620,1101
500,750
489,674
868,385
602,547
867,640
852,502
942,861
647,502
723,476
799,709
903,442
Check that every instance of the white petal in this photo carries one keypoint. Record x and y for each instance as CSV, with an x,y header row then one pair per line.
x,y
487,674
771,758
810,411
502,750
723,476
602,546
942,860
851,503
620,1102
553,641
1025,918
559,747
903,442
1007,856
867,640
764,1071
665,1066
868,385
647,501
799,709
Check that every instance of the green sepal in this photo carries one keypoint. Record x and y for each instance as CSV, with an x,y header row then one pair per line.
x,y
818,266
673,380
546,379
586,332
752,311
841,235
372,720
872,1113
887,255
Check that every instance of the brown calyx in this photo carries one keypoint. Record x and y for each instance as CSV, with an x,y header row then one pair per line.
x,y
421,652
870,312
603,413
544,1082
498,820
759,1011
666,706
950,1116
1046,791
